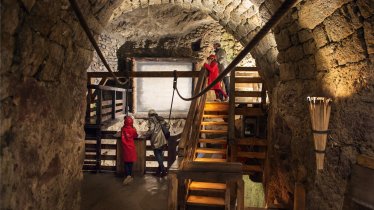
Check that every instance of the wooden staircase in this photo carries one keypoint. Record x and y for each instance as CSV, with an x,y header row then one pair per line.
x,y
211,148
248,104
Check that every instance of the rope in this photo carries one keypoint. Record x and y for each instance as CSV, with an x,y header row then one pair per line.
x,y
174,88
86,29
282,10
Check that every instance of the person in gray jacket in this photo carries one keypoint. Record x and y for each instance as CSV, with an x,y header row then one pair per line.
x,y
158,139
222,64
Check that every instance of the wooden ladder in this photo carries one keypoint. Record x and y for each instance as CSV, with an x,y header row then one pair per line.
x,y
248,104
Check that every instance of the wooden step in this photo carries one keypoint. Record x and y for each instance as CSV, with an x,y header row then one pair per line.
x,y
247,93
255,155
210,151
214,123
251,142
207,186
249,111
205,200
223,131
250,168
210,160
215,116
213,141
216,106
248,80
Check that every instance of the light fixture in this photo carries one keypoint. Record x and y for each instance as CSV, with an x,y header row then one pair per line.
x,y
320,108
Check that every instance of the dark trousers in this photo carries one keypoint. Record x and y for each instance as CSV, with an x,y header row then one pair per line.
x,y
226,81
159,155
220,94
128,168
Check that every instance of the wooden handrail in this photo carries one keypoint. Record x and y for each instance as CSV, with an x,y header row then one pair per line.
x,y
191,114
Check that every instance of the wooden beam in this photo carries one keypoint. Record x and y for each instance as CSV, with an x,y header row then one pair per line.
x,y
242,68
145,74
299,200
365,161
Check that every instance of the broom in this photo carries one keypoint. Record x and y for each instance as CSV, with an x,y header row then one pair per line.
x,y
320,108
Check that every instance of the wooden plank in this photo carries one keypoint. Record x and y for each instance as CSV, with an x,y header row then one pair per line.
x,y
299,197
247,93
210,151
228,167
248,111
102,157
215,123
207,186
214,116
210,160
213,141
242,68
134,74
252,142
223,131
248,80
205,200
365,161
256,168
256,155
106,103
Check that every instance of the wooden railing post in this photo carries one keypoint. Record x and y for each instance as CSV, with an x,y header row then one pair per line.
x,y
240,194
231,137
114,93
125,104
99,106
88,105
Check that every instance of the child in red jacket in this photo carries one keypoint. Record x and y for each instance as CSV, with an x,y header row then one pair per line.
x,y
212,67
128,133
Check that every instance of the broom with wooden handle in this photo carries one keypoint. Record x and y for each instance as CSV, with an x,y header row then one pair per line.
x,y
320,109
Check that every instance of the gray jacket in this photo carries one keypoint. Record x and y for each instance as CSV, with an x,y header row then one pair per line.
x,y
222,59
154,130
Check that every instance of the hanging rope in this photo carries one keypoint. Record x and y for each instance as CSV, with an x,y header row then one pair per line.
x,y
282,10
86,29
174,88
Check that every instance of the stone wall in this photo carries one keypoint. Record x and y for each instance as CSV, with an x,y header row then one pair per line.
x,y
325,49
322,47
44,57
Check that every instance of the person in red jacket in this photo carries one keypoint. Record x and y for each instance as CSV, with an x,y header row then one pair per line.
x,y
212,67
128,133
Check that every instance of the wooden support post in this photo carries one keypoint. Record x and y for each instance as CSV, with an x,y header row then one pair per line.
x,y
181,194
240,194
299,200
119,162
114,97
228,195
173,192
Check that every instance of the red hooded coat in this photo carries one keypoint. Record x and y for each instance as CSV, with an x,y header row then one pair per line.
x,y
127,136
213,74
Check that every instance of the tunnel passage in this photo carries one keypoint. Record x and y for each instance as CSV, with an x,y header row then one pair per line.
x,y
320,48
